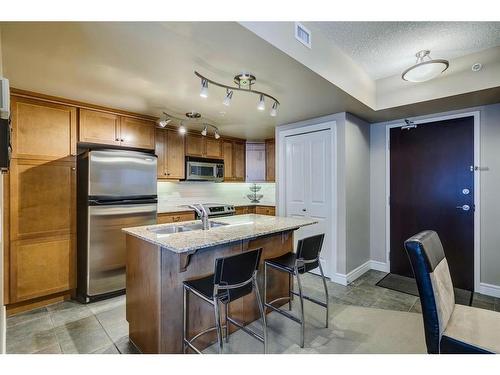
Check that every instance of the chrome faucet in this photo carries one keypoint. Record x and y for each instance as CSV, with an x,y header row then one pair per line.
x,y
202,213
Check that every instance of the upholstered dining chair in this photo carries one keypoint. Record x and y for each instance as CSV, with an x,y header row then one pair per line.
x,y
449,328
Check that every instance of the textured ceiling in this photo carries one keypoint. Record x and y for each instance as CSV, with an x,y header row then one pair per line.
x,y
384,49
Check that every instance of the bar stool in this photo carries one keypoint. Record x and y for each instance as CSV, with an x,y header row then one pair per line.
x,y
295,264
234,278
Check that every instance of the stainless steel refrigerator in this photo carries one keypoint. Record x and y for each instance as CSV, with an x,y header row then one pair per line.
x,y
116,189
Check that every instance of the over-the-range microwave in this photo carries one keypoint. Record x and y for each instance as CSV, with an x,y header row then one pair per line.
x,y
203,169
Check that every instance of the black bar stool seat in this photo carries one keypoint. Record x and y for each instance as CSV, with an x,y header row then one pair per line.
x,y
234,277
295,264
204,288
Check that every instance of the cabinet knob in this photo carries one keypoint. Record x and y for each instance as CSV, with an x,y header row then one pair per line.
x,y
165,173
121,140
73,168
117,139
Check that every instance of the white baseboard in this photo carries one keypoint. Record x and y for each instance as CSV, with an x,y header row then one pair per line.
x,y
358,271
339,279
489,290
379,266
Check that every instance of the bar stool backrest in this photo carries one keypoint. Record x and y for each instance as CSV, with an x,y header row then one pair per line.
x,y
234,273
308,250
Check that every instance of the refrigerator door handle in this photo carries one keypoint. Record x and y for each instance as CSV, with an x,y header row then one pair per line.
x,y
100,202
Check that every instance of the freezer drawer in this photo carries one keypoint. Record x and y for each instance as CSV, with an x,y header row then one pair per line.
x,y
106,253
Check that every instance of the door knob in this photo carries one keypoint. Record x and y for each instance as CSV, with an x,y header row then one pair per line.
x,y
465,207
304,210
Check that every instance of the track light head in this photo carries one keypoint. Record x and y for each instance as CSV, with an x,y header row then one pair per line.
x,y
216,134
204,131
262,104
204,88
274,110
227,99
182,129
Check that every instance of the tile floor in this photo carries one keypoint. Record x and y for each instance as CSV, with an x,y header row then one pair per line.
x,y
101,327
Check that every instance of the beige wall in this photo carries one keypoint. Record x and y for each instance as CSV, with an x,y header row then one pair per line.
x,y
490,187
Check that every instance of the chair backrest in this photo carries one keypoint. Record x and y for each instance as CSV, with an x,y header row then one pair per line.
x,y
236,269
434,284
308,249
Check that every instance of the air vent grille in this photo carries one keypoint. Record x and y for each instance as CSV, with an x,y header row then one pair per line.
x,y
302,34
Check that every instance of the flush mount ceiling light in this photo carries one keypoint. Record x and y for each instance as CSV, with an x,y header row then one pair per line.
x,y
244,82
425,68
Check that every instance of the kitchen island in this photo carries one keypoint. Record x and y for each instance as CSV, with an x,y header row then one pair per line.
x,y
161,257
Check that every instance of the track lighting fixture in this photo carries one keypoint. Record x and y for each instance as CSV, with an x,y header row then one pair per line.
x,y
244,82
204,88
194,117
216,135
262,104
164,122
274,110
227,99
182,129
204,131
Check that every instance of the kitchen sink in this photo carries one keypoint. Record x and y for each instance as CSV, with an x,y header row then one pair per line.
x,y
169,229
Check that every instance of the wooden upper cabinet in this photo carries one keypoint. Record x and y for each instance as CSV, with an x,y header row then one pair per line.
x,y
170,152
239,161
227,153
195,145
213,148
115,130
99,127
43,130
176,168
137,133
270,160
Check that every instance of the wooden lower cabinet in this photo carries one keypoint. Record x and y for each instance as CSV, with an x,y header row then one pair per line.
x,y
41,267
261,210
42,228
174,217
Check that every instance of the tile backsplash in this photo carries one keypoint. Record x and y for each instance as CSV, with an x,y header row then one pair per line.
x,y
182,193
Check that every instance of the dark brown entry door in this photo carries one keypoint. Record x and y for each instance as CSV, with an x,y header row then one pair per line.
x,y
432,187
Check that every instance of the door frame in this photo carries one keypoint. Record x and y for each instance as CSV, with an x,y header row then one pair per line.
x,y
331,268
477,186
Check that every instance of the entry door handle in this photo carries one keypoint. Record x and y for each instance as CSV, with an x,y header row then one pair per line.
x,y
465,207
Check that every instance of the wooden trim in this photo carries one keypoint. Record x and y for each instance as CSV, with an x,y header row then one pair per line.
x,y
19,307
6,238
75,103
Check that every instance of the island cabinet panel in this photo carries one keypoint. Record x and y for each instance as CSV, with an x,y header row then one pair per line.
x,y
265,210
155,291
170,152
99,127
42,130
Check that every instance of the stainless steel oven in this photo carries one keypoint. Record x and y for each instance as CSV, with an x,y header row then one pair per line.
x,y
202,169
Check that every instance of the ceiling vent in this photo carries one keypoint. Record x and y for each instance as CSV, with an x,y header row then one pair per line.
x,y
302,34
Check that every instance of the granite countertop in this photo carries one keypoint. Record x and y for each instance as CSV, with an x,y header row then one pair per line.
x,y
163,209
240,227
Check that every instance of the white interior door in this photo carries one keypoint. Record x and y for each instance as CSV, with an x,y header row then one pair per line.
x,y
308,182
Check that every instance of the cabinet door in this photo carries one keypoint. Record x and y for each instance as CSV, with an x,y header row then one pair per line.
x,y
195,145
99,127
175,155
270,161
41,266
137,133
160,147
239,161
42,130
42,199
213,148
227,153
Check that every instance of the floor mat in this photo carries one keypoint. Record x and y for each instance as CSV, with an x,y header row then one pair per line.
x,y
408,285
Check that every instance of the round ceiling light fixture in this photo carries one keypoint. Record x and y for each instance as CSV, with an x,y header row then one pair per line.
x,y
477,67
425,68
244,79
